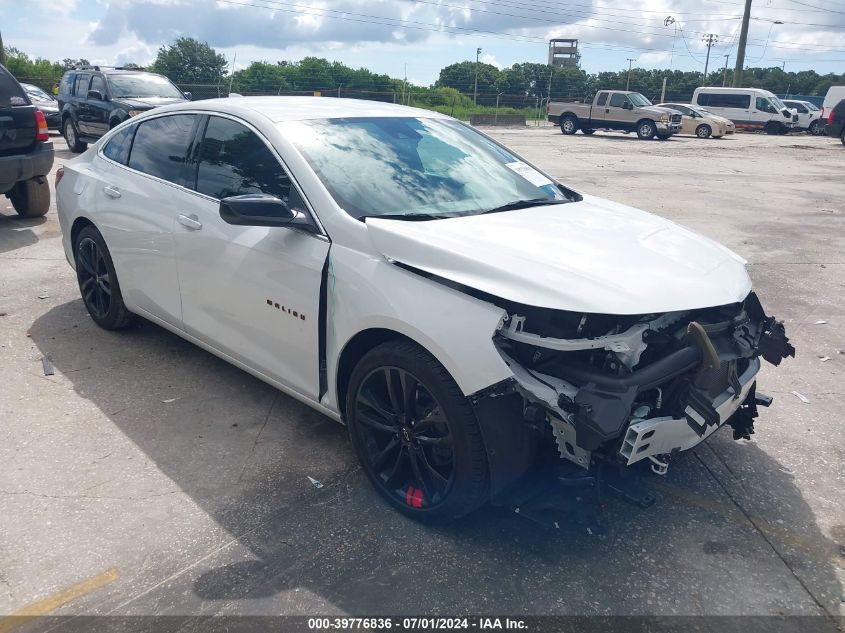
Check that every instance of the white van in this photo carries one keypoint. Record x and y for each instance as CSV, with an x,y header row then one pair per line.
x,y
749,108
834,95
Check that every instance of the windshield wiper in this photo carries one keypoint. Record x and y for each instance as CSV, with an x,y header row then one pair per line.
x,y
524,204
405,216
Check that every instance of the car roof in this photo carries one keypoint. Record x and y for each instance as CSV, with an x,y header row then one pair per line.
x,y
279,109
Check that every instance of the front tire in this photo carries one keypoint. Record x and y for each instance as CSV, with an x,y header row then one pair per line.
x,y
71,135
569,125
772,128
646,130
703,131
416,434
31,198
815,128
97,280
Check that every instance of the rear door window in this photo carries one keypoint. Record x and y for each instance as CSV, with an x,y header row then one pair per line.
x,y
161,146
234,161
81,87
602,99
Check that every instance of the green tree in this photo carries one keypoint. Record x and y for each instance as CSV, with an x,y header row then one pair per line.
x,y
461,77
189,61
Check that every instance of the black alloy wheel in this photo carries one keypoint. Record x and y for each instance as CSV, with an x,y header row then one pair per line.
x,y
406,437
94,279
416,434
97,279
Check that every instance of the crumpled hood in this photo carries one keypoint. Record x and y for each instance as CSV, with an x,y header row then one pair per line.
x,y
590,256
148,103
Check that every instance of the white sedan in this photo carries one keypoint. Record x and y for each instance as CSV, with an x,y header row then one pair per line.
x,y
403,273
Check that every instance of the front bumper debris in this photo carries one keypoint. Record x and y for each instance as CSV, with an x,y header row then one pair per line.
x,y
648,388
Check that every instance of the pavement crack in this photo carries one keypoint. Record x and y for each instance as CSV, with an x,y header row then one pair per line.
x,y
255,442
764,536
93,497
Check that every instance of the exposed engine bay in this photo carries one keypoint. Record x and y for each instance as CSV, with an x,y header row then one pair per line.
x,y
635,387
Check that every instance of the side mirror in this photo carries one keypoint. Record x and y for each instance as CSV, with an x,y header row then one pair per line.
x,y
188,96
628,105
95,94
261,209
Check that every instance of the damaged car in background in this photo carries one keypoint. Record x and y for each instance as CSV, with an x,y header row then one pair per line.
x,y
469,318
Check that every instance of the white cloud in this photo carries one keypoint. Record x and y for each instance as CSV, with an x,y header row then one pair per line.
x,y
490,59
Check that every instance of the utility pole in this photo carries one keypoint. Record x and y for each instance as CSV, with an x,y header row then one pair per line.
x,y
475,92
708,39
628,83
725,75
740,52
2,51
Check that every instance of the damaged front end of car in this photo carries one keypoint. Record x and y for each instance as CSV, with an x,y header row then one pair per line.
x,y
626,389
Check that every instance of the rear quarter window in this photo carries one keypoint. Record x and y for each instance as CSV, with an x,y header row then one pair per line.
x,y
11,93
118,146
724,100
67,83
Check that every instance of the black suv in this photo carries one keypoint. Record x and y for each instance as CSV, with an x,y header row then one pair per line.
x,y
26,151
94,99
836,122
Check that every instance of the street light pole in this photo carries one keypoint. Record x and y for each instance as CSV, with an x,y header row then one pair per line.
x,y
475,92
628,83
740,52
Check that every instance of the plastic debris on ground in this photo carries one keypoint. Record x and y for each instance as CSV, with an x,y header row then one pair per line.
x,y
316,483
801,397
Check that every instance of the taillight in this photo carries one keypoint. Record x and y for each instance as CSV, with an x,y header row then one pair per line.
x,y
830,117
821,113
59,173
43,134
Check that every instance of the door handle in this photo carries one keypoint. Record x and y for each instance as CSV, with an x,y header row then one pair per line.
x,y
111,191
189,221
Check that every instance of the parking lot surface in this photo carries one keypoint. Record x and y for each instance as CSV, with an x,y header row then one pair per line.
x,y
146,476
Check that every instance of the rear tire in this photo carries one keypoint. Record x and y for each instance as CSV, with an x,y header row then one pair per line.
x,y
815,128
97,280
703,131
569,125
71,134
842,137
587,132
31,198
416,434
646,130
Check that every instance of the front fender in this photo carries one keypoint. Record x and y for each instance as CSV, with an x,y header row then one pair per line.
x,y
365,291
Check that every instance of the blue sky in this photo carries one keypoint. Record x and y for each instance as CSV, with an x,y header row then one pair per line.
x,y
385,35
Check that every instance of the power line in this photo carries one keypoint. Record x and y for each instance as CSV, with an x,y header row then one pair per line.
x,y
278,5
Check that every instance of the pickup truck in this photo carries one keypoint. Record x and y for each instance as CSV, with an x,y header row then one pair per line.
x,y
615,110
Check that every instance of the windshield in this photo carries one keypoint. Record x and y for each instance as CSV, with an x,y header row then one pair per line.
x,y
395,166
638,100
35,93
124,86
778,103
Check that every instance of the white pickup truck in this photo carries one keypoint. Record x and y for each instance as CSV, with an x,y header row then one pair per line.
x,y
615,110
